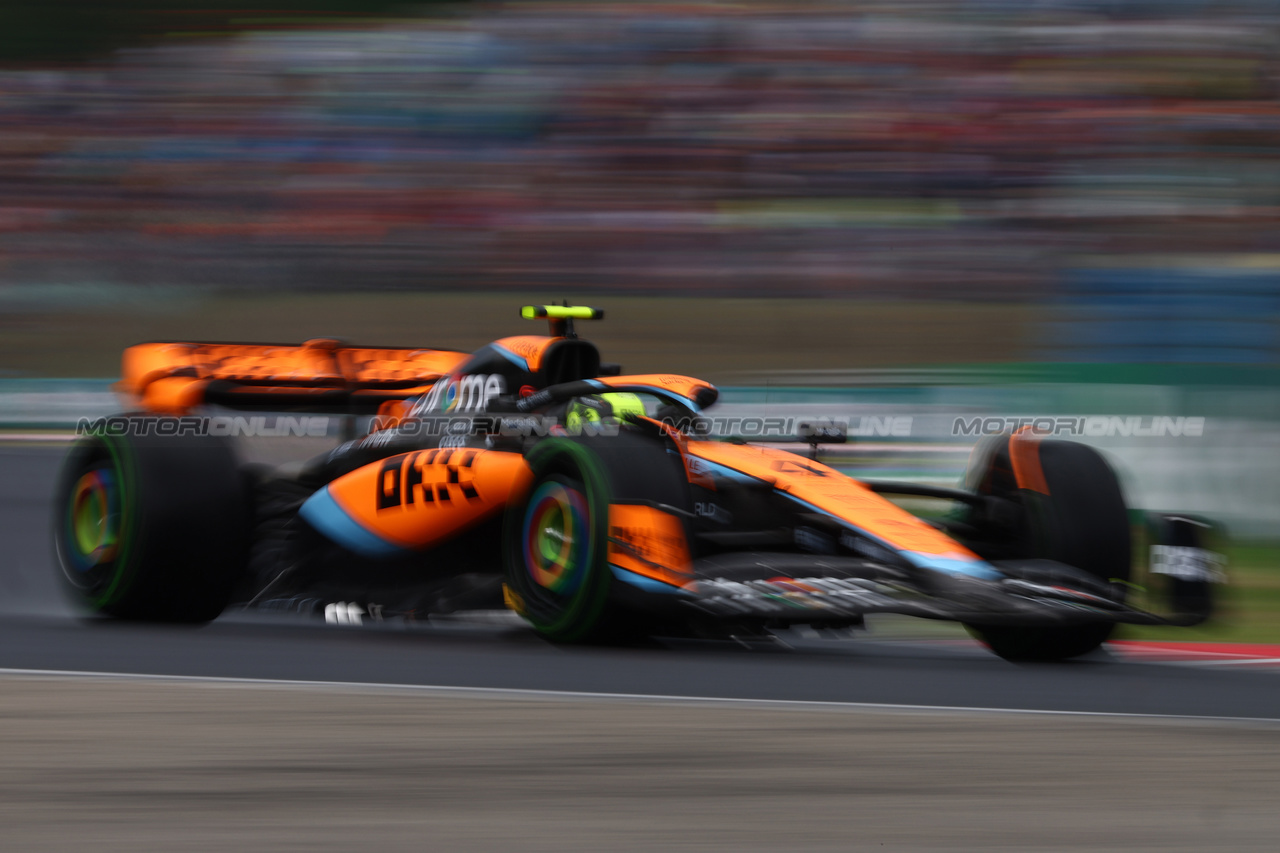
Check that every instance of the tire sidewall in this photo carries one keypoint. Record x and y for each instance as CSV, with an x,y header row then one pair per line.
x,y
185,526
106,596
582,613
1082,522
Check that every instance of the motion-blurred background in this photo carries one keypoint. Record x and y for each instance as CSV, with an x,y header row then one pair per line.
x,y
926,209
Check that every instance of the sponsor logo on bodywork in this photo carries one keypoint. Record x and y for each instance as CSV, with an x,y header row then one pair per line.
x,y
650,543
464,393
1188,564
426,478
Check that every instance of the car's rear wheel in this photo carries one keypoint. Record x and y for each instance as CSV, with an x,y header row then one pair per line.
x,y
1081,521
151,527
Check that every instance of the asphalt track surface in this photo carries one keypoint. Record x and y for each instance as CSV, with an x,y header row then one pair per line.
x,y
39,633
260,733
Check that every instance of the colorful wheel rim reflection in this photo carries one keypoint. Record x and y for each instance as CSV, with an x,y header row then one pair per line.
x,y
557,537
93,522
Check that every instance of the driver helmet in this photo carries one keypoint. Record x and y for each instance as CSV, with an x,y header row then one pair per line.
x,y
617,406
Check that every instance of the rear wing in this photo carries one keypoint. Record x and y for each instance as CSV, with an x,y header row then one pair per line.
x,y
322,375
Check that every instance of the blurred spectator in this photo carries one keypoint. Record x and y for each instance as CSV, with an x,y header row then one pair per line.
x,y
948,149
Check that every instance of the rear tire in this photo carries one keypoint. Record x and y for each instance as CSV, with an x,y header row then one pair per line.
x,y
151,528
1083,522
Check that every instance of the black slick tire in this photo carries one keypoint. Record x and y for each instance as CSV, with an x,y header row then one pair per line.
x,y
151,527
1082,522
578,599
555,545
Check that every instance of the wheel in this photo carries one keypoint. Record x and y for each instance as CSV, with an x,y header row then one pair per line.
x,y
150,527
1082,522
556,542
555,545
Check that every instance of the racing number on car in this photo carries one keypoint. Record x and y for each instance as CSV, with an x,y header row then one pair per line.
x,y
426,478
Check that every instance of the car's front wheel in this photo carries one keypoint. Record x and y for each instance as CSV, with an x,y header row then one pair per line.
x,y
555,545
1073,512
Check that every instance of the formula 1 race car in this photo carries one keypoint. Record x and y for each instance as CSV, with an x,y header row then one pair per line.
x,y
532,475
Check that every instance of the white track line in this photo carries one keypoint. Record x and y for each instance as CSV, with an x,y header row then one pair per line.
x,y
1209,664
656,698
1172,654
1201,659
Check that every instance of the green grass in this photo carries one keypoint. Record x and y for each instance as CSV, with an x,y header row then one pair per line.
x,y
1248,605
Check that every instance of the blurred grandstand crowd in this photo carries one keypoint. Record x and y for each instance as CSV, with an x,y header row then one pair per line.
x,y
950,148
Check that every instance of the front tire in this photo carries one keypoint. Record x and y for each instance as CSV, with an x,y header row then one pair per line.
x,y
1082,522
151,528
555,546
